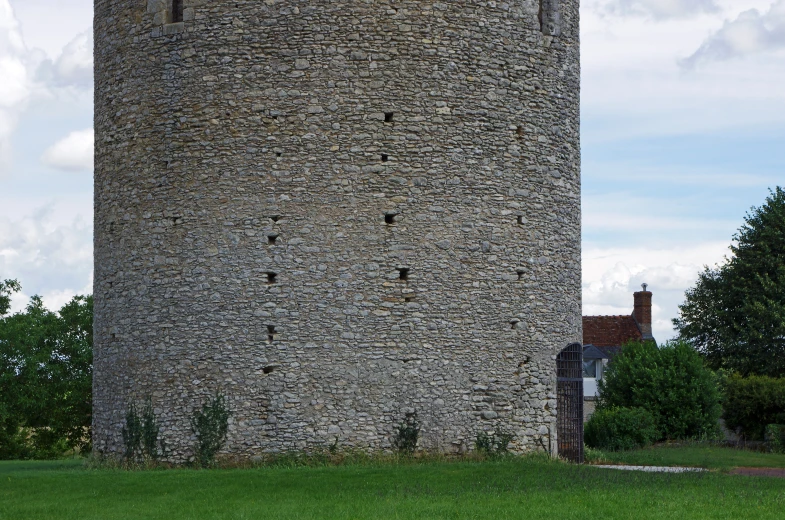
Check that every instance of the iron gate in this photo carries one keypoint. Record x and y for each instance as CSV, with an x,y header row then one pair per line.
x,y
569,403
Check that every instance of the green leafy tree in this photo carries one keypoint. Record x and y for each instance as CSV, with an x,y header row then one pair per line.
x,y
752,403
46,378
670,382
735,313
12,439
7,288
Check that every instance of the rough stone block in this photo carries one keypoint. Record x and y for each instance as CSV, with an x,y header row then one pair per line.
x,y
174,28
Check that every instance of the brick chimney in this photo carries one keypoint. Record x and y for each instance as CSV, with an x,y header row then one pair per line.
x,y
642,312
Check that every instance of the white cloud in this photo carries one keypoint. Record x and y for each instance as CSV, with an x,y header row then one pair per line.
x,y
661,9
659,217
619,219
750,33
72,153
55,299
620,171
632,84
15,82
48,254
50,24
73,67
611,275
27,75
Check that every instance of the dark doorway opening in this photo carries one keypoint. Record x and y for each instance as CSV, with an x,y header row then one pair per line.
x,y
569,402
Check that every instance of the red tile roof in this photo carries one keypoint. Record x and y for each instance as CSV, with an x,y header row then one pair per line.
x,y
609,331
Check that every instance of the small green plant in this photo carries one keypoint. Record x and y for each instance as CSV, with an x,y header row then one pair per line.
x,y
140,434
495,444
210,424
152,446
407,434
132,435
503,440
593,455
775,437
615,429
483,443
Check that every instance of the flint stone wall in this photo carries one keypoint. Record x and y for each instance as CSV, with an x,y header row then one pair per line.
x,y
267,171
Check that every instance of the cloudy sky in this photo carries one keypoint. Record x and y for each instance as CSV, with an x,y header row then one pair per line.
x,y
683,114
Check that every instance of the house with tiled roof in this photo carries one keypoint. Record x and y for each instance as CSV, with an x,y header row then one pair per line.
x,y
604,337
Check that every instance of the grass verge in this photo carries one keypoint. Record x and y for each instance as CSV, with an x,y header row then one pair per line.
x,y
697,455
511,488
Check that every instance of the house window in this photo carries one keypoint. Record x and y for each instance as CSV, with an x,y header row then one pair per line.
x,y
590,368
177,11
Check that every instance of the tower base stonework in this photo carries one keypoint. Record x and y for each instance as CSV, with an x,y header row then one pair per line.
x,y
335,214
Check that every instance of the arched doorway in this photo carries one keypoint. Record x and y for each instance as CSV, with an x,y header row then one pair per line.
x,y
569,403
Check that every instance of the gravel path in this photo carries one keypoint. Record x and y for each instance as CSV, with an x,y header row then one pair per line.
x,y
760,472
653,469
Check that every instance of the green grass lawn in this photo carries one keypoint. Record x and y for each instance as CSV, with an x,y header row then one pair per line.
x,y
704,456
513,488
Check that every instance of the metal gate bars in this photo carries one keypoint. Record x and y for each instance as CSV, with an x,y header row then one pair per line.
x,y
569,403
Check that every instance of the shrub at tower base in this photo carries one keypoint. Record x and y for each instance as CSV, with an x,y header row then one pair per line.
x,y
615,429
670,382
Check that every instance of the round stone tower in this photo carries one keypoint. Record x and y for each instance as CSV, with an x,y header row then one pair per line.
x,y
336,214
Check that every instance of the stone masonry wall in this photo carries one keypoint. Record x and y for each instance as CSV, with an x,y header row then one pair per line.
x,y
336,213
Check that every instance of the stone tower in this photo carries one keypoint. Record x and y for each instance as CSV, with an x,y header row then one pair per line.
x,y
336,213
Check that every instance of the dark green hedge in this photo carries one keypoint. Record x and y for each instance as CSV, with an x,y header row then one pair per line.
x,y
752,403
775,437
617,429
671,382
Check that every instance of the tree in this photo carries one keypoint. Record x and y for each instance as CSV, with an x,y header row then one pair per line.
x,y
751,403
45,378
11,442
735,313
670,382
7,288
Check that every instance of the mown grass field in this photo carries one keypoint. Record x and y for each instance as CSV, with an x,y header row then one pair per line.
x,y
512,488
703,456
